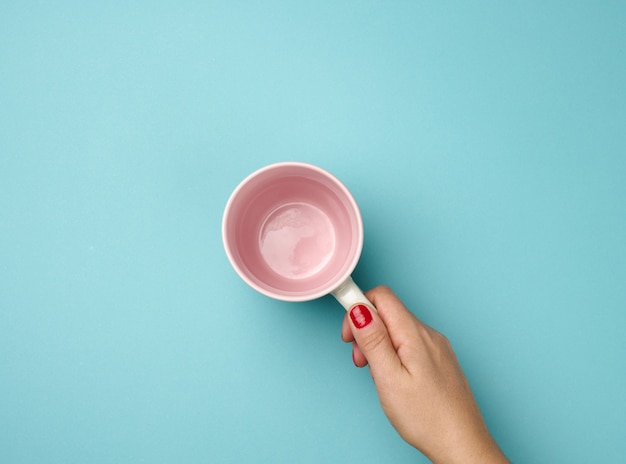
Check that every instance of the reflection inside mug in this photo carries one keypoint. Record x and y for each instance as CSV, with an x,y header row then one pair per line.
x,y
297,240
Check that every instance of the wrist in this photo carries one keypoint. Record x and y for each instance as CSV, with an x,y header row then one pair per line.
x,y
485,451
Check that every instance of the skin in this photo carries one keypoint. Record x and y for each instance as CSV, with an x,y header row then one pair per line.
x,y
420,384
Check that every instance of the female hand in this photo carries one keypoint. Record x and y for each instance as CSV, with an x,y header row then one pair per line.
x,y
420,384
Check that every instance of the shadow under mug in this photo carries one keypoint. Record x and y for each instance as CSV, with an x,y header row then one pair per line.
x,y
292,231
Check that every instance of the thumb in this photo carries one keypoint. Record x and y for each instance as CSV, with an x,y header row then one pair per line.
x,y
372,337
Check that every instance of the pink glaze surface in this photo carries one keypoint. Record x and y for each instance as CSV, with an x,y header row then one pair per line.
x,y
292,231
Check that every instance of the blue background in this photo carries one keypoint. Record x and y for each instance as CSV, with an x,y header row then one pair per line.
x,y
485,144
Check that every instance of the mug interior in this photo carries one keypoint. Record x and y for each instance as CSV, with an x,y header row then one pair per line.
x,y
292,231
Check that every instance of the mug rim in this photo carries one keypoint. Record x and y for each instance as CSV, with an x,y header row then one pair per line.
x,y
332,285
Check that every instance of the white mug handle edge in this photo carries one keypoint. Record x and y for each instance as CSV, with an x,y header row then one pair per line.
x,y
349,294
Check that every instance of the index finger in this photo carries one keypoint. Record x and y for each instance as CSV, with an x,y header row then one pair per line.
x,y
397,318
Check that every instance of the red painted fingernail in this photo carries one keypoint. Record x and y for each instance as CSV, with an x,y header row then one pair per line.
x,y
361,316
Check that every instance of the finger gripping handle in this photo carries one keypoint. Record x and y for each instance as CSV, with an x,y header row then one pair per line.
x,y
349,294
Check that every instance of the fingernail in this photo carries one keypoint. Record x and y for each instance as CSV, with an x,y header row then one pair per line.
x,y
361,316
353,358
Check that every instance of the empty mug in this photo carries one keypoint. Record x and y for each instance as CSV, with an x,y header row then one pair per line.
x,y
293,232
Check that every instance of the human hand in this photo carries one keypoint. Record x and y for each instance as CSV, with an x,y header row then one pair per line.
x,y
420,384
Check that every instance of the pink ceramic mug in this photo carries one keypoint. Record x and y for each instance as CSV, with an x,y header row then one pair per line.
x,y
293,231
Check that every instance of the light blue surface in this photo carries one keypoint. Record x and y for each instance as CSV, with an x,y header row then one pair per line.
x,y
485,144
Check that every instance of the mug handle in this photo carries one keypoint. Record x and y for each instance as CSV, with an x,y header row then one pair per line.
x,y
349,294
